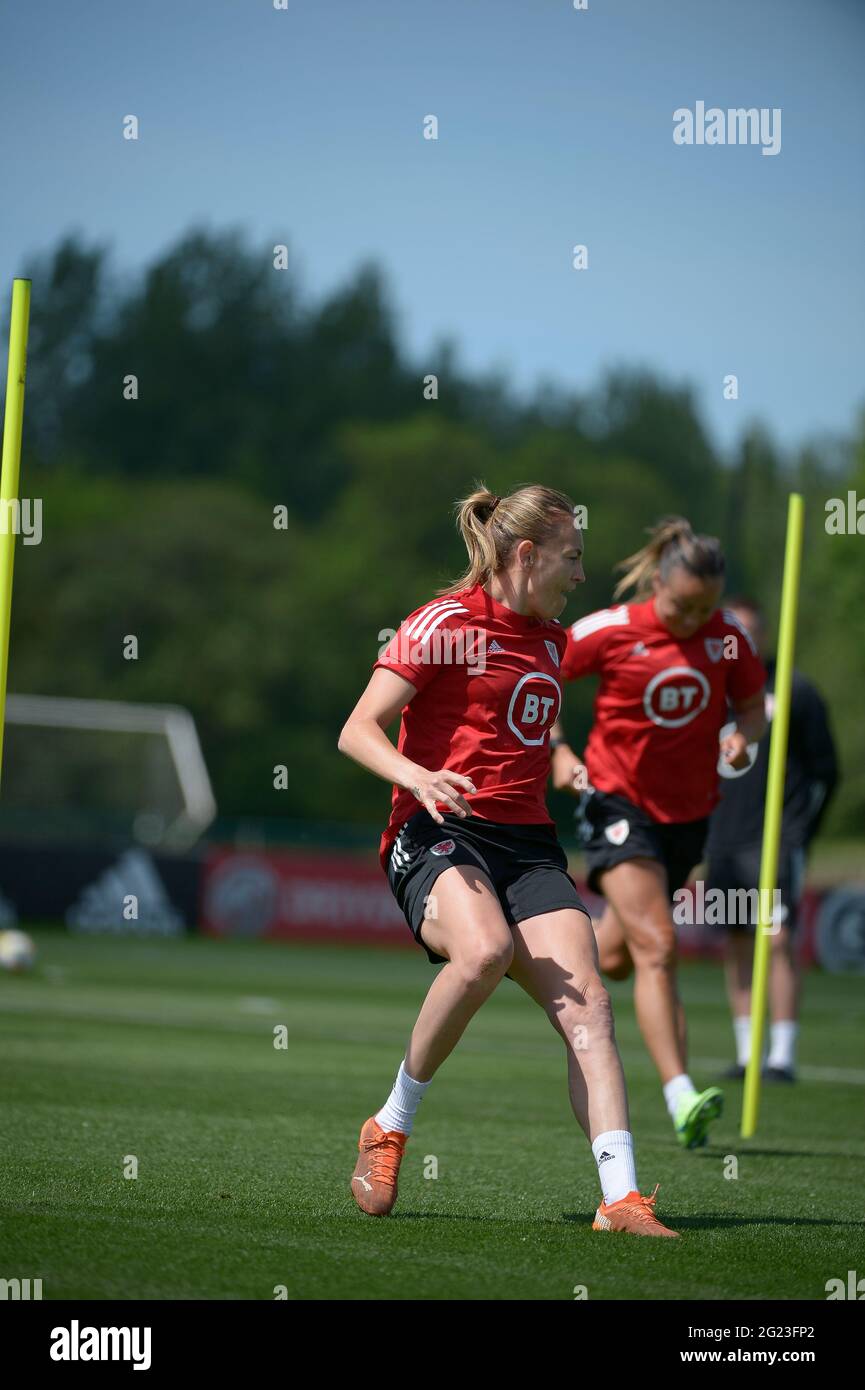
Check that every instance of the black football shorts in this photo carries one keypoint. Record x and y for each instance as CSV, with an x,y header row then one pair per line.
x,y
526,865
733,869
613,830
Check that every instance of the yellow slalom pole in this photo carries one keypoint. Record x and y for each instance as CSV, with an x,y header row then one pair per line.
x,y
774,805
13,425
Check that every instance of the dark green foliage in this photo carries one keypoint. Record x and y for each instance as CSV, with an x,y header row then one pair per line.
x,y
158,512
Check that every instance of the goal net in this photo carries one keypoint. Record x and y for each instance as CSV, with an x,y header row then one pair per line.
x,y
77,769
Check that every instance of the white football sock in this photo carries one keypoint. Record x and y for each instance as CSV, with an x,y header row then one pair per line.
x,y
614,1155
399,1109
742,1031
681,1085
782,1048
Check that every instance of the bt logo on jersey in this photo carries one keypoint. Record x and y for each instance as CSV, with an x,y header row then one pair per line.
x,y
676,696
534,707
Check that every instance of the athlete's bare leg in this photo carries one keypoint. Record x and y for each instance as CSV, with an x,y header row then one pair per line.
x,y
616,962
738,960
556,963
637,892
467,926
784,975
613,954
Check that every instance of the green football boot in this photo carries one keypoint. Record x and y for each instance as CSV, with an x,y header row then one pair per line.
x,y
694,1114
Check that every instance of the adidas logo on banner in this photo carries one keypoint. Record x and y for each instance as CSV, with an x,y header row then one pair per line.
x,y
494,647
100,906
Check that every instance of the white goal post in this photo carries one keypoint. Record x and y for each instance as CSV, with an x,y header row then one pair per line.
x,y
195,805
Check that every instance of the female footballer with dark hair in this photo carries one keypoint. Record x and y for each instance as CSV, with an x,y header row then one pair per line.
x,y
470,851
671,666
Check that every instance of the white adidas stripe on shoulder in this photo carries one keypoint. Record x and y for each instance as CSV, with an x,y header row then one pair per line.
x,y
449,613
424,622
605,617
730,617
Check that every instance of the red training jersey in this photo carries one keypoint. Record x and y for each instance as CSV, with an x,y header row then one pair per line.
x,y
488,693
661,704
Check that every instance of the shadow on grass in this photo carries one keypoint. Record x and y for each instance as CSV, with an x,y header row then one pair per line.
x,y
713,1222
709,1222
746,1152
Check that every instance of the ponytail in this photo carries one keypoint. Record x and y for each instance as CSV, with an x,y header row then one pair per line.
x,y
672,542
492,526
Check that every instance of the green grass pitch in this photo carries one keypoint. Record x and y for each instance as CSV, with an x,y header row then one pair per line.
x,y
165,1051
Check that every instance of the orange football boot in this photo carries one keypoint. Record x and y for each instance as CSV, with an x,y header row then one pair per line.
x,y
632,1213
374,1183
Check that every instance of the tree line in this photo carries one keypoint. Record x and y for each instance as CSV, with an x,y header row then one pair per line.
x,y
257,485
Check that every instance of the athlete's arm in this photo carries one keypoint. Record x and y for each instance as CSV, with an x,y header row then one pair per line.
x,y
583,656
750,718
363,738
568,773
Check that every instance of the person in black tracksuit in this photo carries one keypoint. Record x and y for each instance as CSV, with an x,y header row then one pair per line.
x,y
734,847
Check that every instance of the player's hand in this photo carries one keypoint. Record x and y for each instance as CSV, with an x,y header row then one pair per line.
x,y
568,773
734,750
430,787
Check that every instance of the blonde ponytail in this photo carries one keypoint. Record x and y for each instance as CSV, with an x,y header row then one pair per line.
x,y
491,526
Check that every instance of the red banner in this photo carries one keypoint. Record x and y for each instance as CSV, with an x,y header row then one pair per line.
x,y
266,893
316,896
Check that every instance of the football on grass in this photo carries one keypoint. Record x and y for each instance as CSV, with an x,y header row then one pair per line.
x,y
17,951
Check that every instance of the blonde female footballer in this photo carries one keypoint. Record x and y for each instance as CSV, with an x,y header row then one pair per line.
x,y
475,675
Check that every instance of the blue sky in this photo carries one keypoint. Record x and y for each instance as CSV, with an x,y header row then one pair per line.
x,y
555,127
